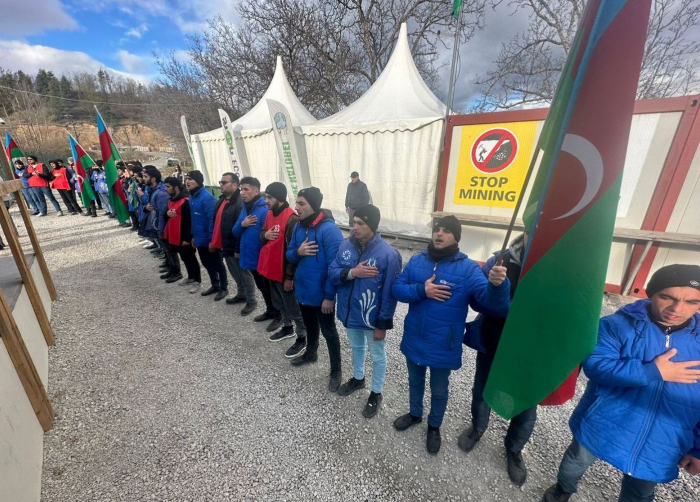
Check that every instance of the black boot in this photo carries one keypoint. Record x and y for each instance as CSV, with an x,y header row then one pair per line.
x,y
517,472
434,440
306,358
468,439
405,421
334,380
556,494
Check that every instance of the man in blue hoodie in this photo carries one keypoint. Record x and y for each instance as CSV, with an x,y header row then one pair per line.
x,y
364,270
20,169
202,204
641,409
440,284
313,248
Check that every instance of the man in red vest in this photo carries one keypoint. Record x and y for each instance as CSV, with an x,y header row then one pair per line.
x,y
178,234
273,265
39,178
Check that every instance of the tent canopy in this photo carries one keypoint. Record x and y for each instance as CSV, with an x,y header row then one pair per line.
x,y
398,101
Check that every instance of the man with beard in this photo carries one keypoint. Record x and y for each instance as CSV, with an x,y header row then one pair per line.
x,y
250,222
439,285
273,265
178,233
314,245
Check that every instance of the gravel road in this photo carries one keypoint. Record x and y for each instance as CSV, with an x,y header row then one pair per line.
x,y
161,395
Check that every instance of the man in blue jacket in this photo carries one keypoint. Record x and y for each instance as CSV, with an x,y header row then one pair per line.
x,y
202,204
250,223
33,205
440,284
641,409
364,270
156,208
313,248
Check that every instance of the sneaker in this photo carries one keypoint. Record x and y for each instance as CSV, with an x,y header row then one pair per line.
x,y
556,494
372,406
60,213
43,214
133,229
167,275
112,216
296,349
274,325
248,309
264,317
74,213
351,386
87,214
186,282
221,295
433,440
405,421
149,246
35,213
173,278
125,224
156,251
334,381
195,288
283,334
306,358
468,439
517,472
235,300
209,291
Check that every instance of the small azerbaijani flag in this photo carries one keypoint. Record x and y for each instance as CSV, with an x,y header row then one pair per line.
x,y
110,156
553,320
83,165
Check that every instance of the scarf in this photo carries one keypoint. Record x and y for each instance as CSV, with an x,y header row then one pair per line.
x,y
438,255
195,190
280,208
249,205
306,222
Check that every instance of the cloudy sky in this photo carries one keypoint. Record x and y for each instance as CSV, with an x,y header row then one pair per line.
x,y
122,35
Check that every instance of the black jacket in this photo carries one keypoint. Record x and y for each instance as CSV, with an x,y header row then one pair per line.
x,y
229,217
357,195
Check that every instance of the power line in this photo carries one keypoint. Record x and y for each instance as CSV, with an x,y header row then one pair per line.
x,y
105,102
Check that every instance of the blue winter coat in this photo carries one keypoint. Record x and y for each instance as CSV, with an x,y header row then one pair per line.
x,y
159,201
433,330
311,284
628,415
20,173
366,303
143,201
202,204
250,236
99,180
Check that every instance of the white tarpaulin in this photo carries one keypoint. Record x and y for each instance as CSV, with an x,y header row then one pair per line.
x,y
254,141
391,136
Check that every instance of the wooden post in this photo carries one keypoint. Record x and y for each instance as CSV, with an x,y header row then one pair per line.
x,y
22,266
24,366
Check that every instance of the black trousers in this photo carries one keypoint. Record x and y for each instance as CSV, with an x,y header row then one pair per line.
x,y
214,264
316,321
172,260
69,200
134,219
263,285
189,258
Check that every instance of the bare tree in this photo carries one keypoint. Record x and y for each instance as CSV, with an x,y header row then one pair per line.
x,y
333,50
528,67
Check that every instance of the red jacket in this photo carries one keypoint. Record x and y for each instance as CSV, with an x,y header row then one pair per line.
x,y
61,179
272,259
40,179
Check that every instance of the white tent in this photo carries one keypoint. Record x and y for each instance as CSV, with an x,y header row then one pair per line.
x,y
391,136
255,142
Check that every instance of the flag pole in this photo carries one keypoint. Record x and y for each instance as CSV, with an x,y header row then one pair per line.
x,y
453,71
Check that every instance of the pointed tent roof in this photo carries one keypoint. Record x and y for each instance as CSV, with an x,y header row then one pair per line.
x,y
257,120
398,100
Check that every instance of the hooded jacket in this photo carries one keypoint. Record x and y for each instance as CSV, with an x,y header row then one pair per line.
x,y
629,416
202,207
311,284
250,236
433,330
366,303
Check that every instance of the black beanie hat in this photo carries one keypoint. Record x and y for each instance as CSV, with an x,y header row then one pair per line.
x,y
369,214
313,196
450,223
674,276
277,190
197,176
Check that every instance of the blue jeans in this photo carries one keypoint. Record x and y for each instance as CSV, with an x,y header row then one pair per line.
x,y
439,391
521,425
40,193
30,199
359,340
104,197
576,462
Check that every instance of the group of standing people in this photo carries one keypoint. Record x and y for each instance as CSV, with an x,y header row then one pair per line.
x,y
641,409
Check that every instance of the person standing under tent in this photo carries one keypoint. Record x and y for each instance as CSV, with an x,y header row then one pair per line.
x,y
313,248
356,195
273,265
439,285
364,271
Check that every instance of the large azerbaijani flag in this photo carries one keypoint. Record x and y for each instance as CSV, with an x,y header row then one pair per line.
x,y
83,165
110,156
553,321
11,149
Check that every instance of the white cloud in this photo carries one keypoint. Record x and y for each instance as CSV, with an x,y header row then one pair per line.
x,y
133,62
17,55
138,31
34,16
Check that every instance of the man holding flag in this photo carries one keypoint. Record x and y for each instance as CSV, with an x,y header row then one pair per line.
x,y
82,165
110,156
